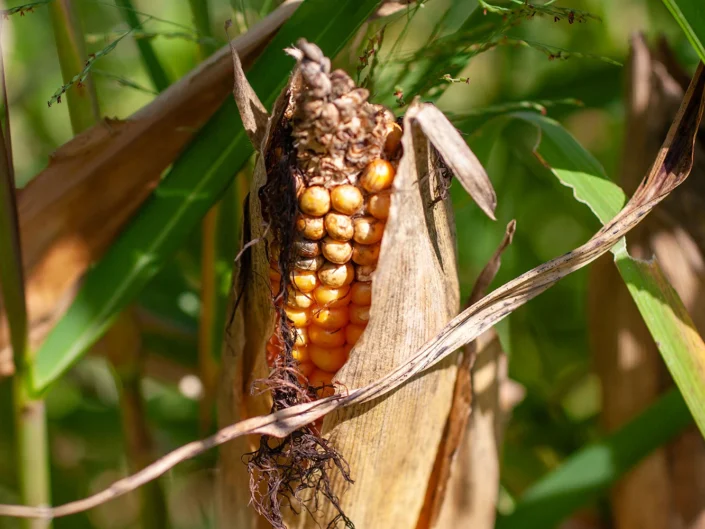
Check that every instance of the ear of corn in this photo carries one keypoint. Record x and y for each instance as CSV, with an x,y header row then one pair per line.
x,y
358,275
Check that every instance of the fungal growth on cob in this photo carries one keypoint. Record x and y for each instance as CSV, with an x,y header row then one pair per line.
x,y
330,168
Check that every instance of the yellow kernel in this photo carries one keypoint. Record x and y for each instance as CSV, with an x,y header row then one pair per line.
x,y
378,175
330,319
363,273
346,199
306,368
368,230
332,297
338,252
308,263
315,200
365,254
329,359
301,336
353,333
298,300
304,280
339,226
336,275
393,140
361,293
298,317
325,337
359,315
378,205
301,353
306,248
323,380
310,227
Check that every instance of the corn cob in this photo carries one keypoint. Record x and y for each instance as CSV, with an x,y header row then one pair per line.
x,y
346,151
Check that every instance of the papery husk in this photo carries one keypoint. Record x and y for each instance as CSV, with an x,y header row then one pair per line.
x,y
667,489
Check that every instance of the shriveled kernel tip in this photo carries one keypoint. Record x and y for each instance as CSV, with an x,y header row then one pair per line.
x,y
315,200
330,319
359,315
338,252
325,337
329,359
378,205
368,230
361,293
377,176
312,228
365,254
346,199
306,248
308,263
336,275
364,273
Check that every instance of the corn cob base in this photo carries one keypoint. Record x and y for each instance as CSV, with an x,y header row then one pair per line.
x,y
330,166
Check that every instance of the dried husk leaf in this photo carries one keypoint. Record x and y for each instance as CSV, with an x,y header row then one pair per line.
x,y
670,169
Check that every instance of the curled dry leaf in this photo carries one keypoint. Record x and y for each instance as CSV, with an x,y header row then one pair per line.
x,y
671,168
64,228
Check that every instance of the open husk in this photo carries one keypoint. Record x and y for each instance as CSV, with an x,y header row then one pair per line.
x,y
414,293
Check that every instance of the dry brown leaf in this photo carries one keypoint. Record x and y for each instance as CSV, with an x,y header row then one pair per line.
x,y
670,169
67,220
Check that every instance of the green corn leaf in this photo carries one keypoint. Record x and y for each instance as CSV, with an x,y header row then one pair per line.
x,y
199,177
590,472
691,17
672,329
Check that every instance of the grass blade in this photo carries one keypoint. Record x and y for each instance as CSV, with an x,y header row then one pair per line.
x,y
589,473
195,183
154,68
691,17
681,347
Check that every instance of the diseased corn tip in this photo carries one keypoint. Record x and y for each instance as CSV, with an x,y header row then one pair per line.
x,y
353,333
368,230
330,297
310,227
331,319
338,252
336,275
378,205
377,176
329,359
364,273
315,201
346,199
393,140
323,382
324,337
308,263
304,280
365,254
306,248
359,315
339,226
361,293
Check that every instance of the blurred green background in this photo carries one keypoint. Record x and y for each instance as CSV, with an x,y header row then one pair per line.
x,y
547,340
